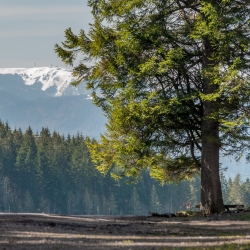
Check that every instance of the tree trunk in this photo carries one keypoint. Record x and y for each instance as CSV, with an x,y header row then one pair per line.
x,y
211,194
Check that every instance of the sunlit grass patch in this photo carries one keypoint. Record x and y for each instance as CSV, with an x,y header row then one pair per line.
x,y
127,241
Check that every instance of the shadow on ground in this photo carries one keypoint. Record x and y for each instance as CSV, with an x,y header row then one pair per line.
x,y
42,231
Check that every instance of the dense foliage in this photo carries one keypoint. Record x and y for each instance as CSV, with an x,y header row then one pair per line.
x,y
174,78
47,172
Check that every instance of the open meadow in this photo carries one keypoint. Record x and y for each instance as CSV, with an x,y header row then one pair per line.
x,y
46,231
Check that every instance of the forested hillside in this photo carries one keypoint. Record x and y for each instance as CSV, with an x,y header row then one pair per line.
x,y
51,173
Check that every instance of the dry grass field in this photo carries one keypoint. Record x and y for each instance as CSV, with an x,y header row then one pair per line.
x,y
44,231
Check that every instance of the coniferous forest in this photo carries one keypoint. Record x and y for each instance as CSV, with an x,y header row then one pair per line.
x,y
52,173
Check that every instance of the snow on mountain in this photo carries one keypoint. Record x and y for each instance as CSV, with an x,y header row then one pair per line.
x,y
59,78
27,99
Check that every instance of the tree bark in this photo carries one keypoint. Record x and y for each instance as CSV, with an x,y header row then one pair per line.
x,y
211,193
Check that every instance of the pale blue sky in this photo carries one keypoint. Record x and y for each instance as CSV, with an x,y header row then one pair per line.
x,y
29,29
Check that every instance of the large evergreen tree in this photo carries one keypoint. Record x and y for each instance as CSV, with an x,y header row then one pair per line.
x,y
172,77
235,194
26,165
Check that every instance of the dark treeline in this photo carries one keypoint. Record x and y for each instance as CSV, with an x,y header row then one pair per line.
x,y
235,191
47,172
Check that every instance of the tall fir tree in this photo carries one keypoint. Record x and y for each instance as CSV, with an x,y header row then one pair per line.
x,y
246,192
174,83
224,187
235,194
135,202
155,205
45,168
27,165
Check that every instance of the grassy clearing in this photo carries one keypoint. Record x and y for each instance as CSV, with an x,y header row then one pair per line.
x,y
43,231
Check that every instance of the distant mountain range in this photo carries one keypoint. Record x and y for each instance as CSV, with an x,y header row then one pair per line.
x,y
44,97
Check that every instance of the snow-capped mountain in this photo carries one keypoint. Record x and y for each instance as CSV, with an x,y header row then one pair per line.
x,y
55,81
27,98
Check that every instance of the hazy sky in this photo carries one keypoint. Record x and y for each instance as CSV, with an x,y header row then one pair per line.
x,y
29,29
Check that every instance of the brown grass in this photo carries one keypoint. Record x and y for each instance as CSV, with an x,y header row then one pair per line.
x,y
42,231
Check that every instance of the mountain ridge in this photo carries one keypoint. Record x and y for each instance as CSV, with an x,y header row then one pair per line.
x,y
50,78
48,100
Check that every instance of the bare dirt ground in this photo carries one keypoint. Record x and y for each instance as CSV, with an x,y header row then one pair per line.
x,y
42,231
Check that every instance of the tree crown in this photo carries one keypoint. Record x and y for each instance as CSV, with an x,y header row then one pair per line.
x,y
146,64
